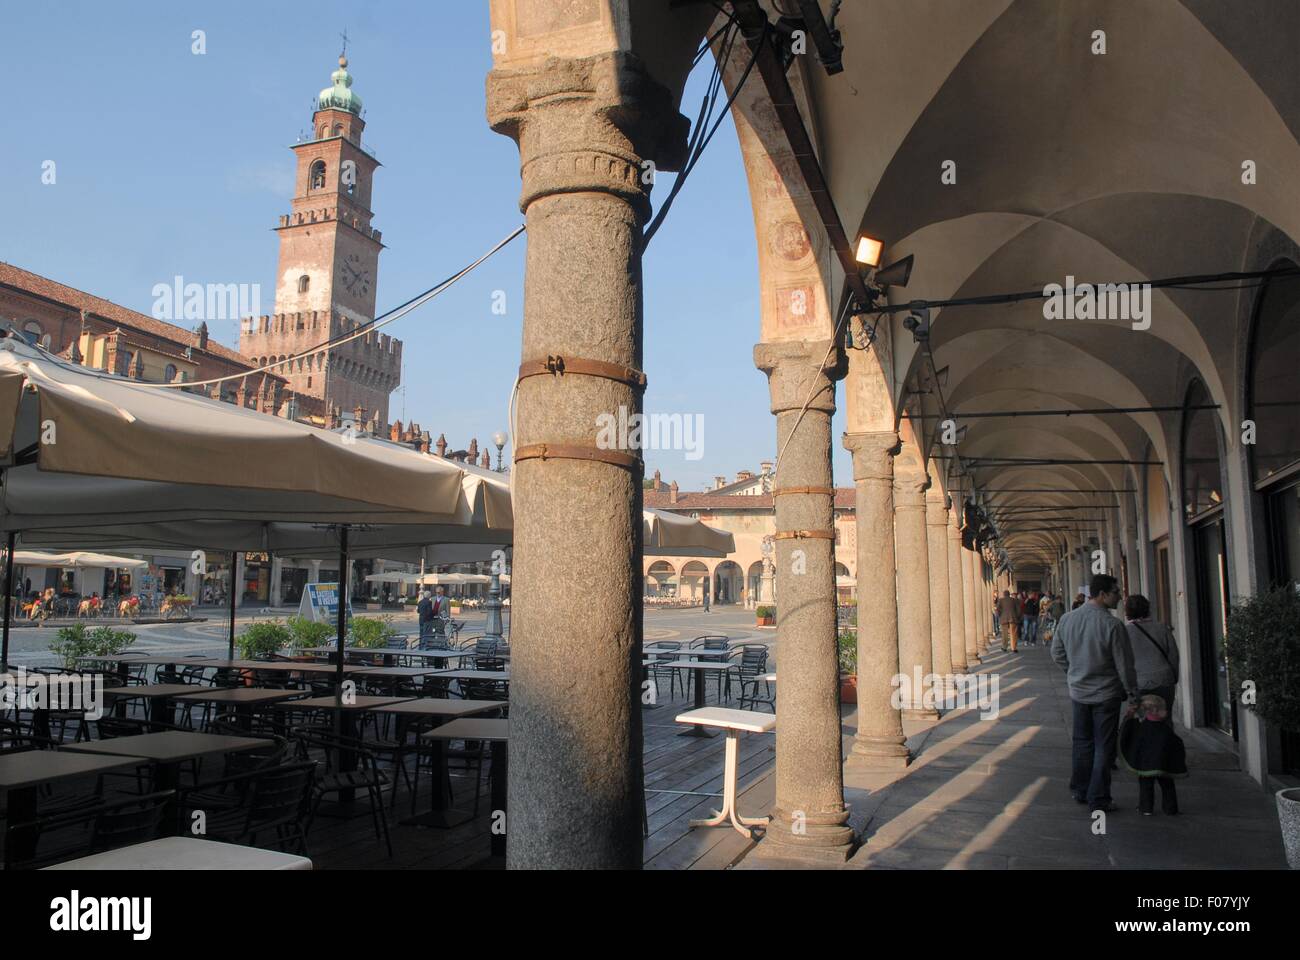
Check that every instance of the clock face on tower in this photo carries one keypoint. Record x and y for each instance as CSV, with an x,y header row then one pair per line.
x,y
354,277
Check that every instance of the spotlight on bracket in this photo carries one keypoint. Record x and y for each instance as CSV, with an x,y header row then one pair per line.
x,y
868,250
896,274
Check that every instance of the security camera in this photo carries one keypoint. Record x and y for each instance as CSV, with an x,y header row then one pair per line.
x,y
918,322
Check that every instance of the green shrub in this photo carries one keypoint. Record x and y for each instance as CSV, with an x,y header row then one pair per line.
x,y
370,631
848,643
305,632
261,639
75,642
1263,649
764,612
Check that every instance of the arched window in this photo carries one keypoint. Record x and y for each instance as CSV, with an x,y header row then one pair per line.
x,y
33,328
1274,389
338,130
1202,476
318,174
303,283
1273,405
169,373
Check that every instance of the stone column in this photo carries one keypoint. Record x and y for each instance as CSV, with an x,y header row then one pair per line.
x,y
956,600
583,127
936,530
809,818
879,743
968,586
273,596
912,544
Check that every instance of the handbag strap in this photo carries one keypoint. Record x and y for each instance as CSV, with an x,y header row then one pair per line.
x,y
1162,650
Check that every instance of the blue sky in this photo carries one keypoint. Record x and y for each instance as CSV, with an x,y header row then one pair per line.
x,y
170,163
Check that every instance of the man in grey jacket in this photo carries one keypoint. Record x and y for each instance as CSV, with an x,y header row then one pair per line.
x,y
1092,647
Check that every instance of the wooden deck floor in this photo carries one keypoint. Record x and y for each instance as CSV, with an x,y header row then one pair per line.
x,y
683,777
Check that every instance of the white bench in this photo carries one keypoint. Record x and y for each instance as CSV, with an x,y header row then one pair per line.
x,y
734,722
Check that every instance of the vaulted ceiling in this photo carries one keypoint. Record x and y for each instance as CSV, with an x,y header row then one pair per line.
x,y
1122,166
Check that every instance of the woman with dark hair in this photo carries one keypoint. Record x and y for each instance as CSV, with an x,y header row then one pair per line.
x,y
1155,653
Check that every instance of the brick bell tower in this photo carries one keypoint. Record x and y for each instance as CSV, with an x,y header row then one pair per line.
x,y
329,264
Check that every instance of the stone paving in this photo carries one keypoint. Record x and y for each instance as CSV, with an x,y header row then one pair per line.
x,y
993,794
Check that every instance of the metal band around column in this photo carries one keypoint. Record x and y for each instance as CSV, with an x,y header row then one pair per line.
x,y
805,535
574,451
828,491
559,366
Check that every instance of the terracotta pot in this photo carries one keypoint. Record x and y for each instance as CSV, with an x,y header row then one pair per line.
x,y
848,688
765,621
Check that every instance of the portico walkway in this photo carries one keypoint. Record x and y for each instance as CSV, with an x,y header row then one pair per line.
x,y
993,795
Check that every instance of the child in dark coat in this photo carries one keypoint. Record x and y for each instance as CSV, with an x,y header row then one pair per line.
x,y
1151,749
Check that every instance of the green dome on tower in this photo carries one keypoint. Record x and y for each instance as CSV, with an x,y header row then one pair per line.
x,y
340,96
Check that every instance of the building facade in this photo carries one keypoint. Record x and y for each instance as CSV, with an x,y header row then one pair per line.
x,y
744,509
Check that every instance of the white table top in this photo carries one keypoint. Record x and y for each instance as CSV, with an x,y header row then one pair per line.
x,y
186,853
695,664
748,720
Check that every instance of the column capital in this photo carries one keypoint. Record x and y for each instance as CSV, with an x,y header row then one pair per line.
x,y
586,125
909,490
936,506
799,369
873,454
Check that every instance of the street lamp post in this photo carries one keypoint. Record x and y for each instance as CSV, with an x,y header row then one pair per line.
x,y
499,438
492,629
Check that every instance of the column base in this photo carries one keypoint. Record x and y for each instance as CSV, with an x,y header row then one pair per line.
x,y
877,754
920,714
824,839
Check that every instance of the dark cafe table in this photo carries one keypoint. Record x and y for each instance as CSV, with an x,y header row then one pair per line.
x,y
23,773
496,732
439,814
167,750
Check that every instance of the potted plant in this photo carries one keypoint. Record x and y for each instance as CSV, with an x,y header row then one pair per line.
x,y
370,632
766,616
305,632
1263,652
75,642
262,639
848,649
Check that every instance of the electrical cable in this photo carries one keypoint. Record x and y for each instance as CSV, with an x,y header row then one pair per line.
x,y
694,153
392,315
1192,283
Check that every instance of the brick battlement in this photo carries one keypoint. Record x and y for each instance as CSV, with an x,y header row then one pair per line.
x,y
292,333
325,215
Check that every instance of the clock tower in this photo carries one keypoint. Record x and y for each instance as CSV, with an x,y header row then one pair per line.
x,y
329,262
